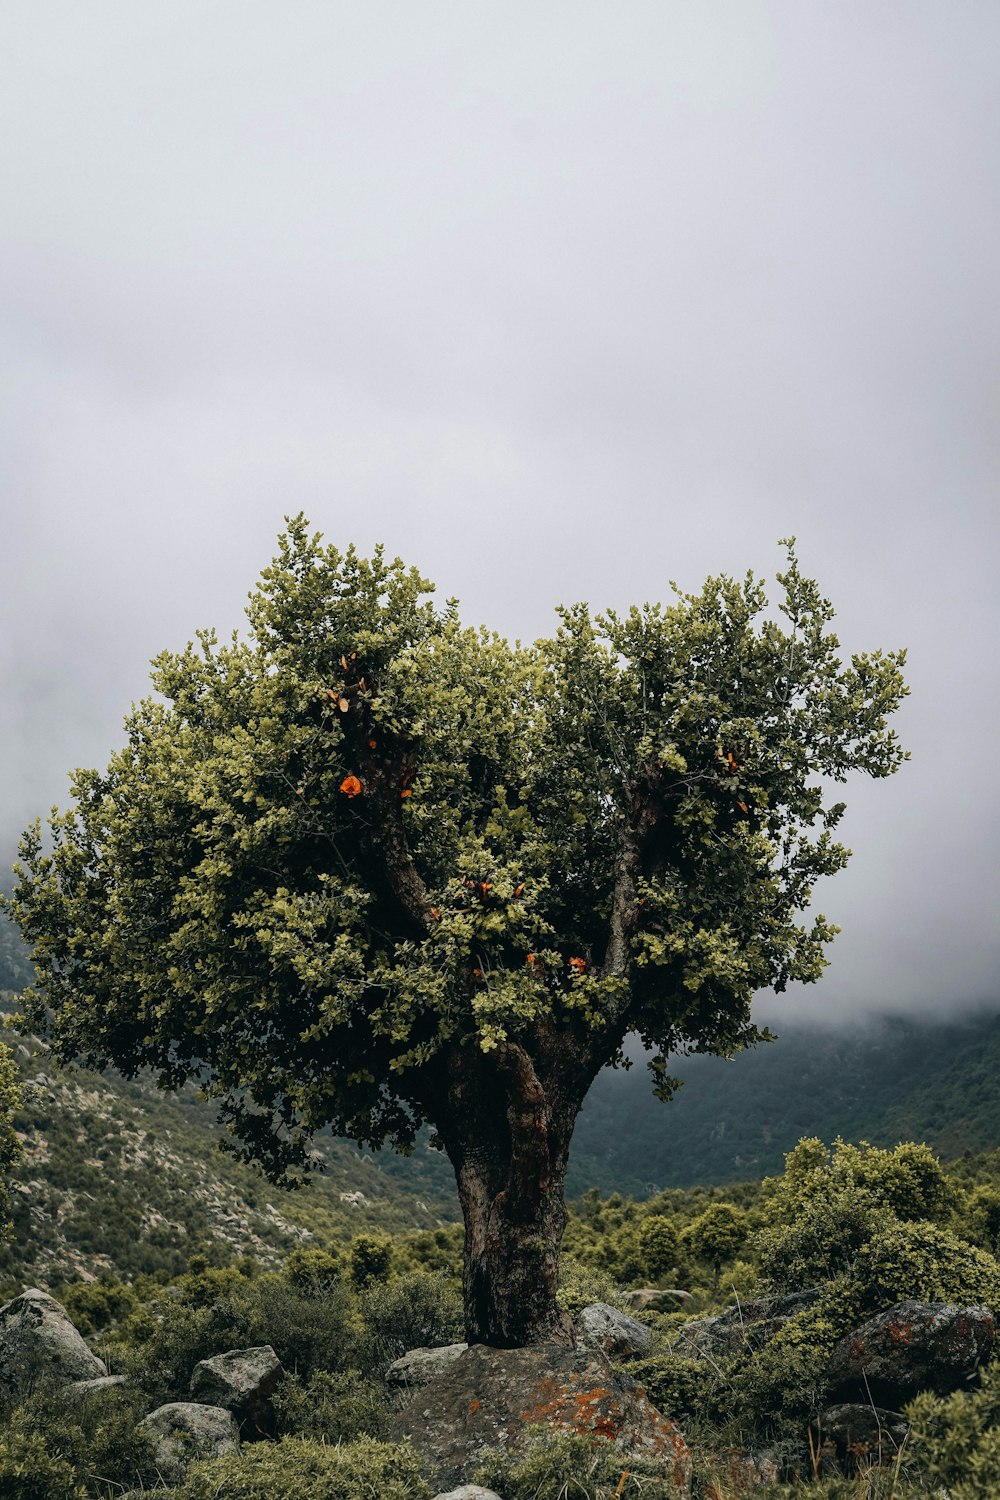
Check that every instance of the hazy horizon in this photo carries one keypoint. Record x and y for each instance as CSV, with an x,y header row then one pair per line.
x,y
558,304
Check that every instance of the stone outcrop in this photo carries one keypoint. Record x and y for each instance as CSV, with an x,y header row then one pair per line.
x,y
744,1470
615,1333
469,1492
40,1347
242,1381
418,1367
912,1347
657,1298
182,1431
859,1435
747,1326
79,1388
491,1398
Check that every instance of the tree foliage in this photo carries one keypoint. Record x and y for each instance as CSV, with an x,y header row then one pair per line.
x,y
364,836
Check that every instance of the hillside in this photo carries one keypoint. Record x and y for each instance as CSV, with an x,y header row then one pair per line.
x,y
118,1177
886,1081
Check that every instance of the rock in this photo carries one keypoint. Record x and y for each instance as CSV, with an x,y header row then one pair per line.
x,y
469,1492
241,1381
185,1430
40,1347
655,1297
747,1326
743,1470
619,1336
489,1398
418,1367
859,1435
911,1347
101,1383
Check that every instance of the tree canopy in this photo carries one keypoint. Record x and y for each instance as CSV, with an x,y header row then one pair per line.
x,y
347,853
365,831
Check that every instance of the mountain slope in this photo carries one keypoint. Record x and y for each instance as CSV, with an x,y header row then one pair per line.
x,y
888,1081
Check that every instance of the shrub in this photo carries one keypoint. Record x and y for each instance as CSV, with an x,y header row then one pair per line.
x,y
580,1285
909,1181
299,1469
414,1311
311,1325
559,1465
682,1389
956,1440
331,1408
30,1471
658,1245
158,1345
90,1444
313,1271
717,1235
94,1305
821,1241
925,1262
370,1258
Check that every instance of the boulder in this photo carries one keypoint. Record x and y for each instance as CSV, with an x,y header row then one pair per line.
x,y
241,1381
912,1347
40,1347
859,1435
619,1336
418,1367
746,1326
469,1492
101,1383
655,1297
743,1470
182,1431
490,1398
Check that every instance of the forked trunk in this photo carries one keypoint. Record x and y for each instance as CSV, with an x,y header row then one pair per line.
x,y
508,1139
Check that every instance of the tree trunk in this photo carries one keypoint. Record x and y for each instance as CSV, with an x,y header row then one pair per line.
x,y
508,1139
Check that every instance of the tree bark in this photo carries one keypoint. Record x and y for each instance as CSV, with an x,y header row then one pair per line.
x,y
508,1136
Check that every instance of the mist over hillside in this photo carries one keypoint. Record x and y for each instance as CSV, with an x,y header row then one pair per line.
x,y
890,1079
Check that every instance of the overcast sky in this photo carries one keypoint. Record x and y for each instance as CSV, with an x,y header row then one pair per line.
x,y
559,301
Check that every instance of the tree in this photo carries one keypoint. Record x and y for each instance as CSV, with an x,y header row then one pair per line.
x,y
716,1235
368,869
659,1245
10,1141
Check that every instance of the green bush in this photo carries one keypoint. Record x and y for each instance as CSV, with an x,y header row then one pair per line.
x,y
682,1389
311,1325
580,1285
820,1241
909,1182
370,1259
414,1311
158,1345
95,1305
558,1465
56,1445
717,1235
956,1440
332,1408
925,1262
658,1245
30,1471
299,1469
313,1271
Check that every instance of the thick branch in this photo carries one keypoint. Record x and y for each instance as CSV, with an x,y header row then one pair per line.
x,y
645,813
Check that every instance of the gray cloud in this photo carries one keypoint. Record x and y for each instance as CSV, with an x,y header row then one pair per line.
x,y
559,302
